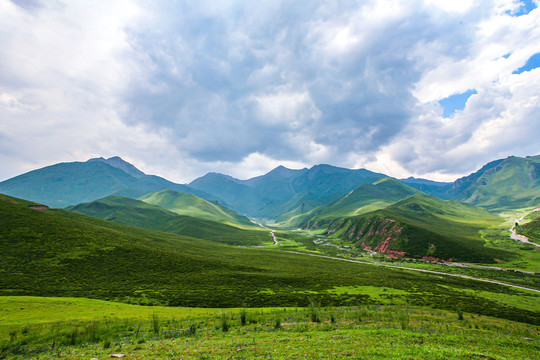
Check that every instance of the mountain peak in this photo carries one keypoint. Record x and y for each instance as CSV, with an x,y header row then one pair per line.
x,y
282,171
119,163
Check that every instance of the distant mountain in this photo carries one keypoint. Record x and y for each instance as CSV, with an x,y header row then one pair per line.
x,y
72,183
363,199
280,194
422,226
282,190
140,214
236,195
513,182
189,204
434,188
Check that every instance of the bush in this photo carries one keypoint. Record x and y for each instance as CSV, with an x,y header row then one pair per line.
x,y
277,323
225,323
154,320
243,317
314,312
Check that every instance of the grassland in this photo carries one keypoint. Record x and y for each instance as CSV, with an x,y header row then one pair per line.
x,y
365,332
56,252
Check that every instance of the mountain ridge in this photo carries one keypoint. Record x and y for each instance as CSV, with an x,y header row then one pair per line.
x,y
509,183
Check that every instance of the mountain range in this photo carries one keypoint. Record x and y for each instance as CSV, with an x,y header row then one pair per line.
x,y
280,194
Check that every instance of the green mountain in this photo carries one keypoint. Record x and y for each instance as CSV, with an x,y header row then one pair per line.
x,y
513,182
363,199
423,226
72,183
189,204
283,190
140,214
54,252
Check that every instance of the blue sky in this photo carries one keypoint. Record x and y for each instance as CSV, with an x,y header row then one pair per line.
x,y
425,88
532,63
455,102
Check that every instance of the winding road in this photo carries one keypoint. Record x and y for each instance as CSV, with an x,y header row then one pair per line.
x,y
271,233
421,270
515,236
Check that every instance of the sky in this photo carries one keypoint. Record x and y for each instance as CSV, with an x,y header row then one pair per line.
x,y
431,88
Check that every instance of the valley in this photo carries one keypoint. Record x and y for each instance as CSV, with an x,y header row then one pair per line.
x,y
353,246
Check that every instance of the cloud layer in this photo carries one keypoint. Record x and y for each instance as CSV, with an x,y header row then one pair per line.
x,y
184,88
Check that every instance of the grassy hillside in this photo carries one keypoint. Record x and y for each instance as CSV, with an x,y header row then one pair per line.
x,y
72,183
374,332
531,230
140,214
56,252
423,226
365,198
188,204
510,183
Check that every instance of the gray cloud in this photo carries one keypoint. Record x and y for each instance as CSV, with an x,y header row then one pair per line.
x,y
202,69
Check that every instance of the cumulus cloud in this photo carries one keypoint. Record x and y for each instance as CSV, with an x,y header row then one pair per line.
x,y
182,88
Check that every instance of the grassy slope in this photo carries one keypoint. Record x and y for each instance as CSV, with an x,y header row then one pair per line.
x,y
140,214
422,225
56,252
376,332
510,183
365,198
191,205
531,230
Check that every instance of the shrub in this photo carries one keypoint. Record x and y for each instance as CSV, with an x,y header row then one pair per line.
x,y
154,320
225,322
243,317
277,323
314,311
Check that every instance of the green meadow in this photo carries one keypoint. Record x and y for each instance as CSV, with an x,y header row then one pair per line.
x,y
67,328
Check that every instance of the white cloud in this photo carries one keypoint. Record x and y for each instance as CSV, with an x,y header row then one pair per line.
x,y
188,87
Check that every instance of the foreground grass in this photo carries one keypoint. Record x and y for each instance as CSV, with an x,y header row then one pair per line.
x,y
374,332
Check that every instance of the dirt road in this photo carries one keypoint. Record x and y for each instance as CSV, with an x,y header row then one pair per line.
x,y
421,270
